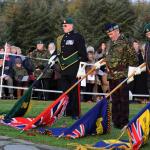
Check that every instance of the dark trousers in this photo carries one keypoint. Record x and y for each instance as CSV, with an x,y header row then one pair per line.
x,y
39,94
120,103
73,107
49,84
89,88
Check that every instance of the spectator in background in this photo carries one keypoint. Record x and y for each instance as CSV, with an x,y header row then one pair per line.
x,y
56,76
1,50
1,65
99,54
90,81
28,65
38,58
1,59
15,51
93,83
20,76
8,72
30,51
52,48
136,47
101,51
138,86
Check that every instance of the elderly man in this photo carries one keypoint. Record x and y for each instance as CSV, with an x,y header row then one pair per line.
x,y
119,57
71,50
147,53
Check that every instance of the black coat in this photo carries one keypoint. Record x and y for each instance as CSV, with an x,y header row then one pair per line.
x,y
72,42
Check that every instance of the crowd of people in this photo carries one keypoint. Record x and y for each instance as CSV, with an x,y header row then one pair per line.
x,y
119,53
21,70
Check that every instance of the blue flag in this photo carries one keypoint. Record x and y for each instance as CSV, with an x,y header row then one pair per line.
x,y
113,144
138,132
95,121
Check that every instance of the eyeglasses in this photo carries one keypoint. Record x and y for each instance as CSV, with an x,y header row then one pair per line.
x,y
64,26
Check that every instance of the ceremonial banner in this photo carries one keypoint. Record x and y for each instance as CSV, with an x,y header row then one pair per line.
x,y
20,107
53,112
95,121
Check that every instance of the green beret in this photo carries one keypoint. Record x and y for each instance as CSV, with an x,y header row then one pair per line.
x,y
147,28
68,20
39,42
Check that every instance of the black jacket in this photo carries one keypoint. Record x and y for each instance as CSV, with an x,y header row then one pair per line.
x,y
72,42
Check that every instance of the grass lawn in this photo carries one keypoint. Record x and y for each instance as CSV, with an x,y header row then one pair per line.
x,y
38,106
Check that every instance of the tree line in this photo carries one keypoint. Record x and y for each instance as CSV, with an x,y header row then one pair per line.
x,y
23,22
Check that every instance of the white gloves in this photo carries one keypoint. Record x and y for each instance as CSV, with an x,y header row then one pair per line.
x,y
81,71
99,64
130,71
137,70
52,59
143,69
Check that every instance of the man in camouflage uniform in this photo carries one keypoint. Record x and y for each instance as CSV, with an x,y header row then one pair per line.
x,y
119,57
19,73
147,53
40,58
71,50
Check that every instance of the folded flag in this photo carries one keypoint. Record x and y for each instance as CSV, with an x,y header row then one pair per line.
x,y
53,112
20,107
138,128
95,121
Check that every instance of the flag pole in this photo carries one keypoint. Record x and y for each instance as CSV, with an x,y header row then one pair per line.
x,y
1,83
119,85
65,93
14,109
88,73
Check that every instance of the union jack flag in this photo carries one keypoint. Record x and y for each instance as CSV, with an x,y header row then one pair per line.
x,y
136,134
18,122
77,132
138,128
47,117
51,115
95,120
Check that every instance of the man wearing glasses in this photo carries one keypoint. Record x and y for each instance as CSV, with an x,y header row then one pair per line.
x,y
71,50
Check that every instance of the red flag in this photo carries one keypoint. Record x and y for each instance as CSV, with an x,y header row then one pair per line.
x,y
47,117
53,112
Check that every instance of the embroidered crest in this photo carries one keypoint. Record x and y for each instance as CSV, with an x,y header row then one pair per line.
x,y
69,42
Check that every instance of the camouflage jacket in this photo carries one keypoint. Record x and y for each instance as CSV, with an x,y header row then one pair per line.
x,y
119,56
40,62
19,73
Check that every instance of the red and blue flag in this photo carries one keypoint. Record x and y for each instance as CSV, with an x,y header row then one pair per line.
x,y
95,121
